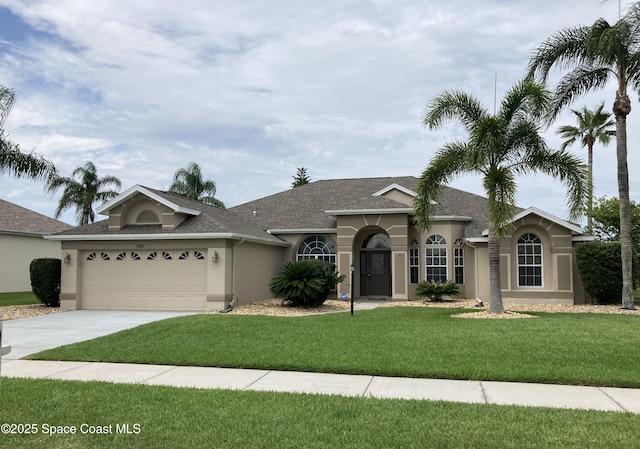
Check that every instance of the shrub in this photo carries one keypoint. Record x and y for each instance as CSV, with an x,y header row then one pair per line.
x,y
436,290
600,268
305,283
45,280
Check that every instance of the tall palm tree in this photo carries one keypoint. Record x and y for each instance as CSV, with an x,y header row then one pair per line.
x,y
593,126
82,192
12,160
500,146
188,182
593,55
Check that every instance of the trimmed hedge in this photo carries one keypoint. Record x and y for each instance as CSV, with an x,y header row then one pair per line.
x,y
45,280
600,267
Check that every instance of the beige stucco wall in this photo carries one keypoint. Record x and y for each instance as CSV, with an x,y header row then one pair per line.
x,y
560,279
254,266
354,229
17,253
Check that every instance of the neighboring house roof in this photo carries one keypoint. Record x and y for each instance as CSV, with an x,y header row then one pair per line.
x,y
203,221
15,219
314,205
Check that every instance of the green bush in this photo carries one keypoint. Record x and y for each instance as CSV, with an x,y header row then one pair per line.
x,y
436,290
305,283
600,268
45,280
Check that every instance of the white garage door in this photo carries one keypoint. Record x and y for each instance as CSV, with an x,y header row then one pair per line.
x,y
144,280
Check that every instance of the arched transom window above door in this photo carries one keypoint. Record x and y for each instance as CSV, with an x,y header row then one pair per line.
x,y
317,247
377,241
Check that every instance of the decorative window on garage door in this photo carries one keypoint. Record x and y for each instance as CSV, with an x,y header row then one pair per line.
x,y
98,256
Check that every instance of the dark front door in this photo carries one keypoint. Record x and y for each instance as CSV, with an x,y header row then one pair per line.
x,y
375,273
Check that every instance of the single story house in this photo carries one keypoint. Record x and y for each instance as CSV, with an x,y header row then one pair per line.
x,y
159,251
21,241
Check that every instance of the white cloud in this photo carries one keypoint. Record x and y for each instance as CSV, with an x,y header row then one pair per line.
x,y
253,89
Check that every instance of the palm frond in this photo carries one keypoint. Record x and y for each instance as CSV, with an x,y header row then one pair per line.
x,y
578,82
565,49
454,105
448,162
500,187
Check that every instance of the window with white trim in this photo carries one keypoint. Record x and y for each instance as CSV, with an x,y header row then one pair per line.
x,y
529,260
414,261
458,262
436,258
317,247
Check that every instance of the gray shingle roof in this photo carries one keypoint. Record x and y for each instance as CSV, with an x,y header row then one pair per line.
x,y
304,207
212,220
14,218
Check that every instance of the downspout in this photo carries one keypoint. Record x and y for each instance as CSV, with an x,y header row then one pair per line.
x,y
234,300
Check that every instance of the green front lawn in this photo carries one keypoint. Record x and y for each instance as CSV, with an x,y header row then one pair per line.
x,y
584,349
163,417
18,299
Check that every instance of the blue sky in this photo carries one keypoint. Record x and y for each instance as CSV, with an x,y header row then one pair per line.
x,y
252,90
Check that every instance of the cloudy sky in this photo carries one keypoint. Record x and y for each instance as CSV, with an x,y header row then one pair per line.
x,y
252,90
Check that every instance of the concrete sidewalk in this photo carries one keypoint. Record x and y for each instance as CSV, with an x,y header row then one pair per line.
x,y
505,393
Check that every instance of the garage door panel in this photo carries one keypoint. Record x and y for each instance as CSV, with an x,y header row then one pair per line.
x,y
149,280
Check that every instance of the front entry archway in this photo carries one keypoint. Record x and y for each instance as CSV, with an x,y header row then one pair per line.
x,y
375,266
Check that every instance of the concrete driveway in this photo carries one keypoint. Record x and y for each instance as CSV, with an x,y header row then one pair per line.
x,y
30,335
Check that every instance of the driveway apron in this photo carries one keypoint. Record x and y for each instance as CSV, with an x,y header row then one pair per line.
x,y
30,335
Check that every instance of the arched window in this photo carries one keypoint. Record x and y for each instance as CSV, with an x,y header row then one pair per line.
x,y
147,217
317,247
529,260
436,258
376,241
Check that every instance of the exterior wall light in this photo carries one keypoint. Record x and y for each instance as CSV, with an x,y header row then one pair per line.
x,y
215,257
67,258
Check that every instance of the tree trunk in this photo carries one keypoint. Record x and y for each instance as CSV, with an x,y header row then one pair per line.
x,y
590,188
621,109
495,288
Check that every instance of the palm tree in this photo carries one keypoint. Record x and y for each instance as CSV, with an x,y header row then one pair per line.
x,y
82,193
593,126
593,55
500,147
188,182
13,160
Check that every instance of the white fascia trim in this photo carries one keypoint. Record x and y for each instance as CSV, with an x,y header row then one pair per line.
x,y
408,210
583,238
104,209
477,239
395,186
194,236
303,231
552,218
22,233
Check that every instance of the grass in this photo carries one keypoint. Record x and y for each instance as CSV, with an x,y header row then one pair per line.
x,y
189,418
585,349
18,299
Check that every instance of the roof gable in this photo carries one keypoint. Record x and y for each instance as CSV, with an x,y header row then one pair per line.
x,y
574,228
150,193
